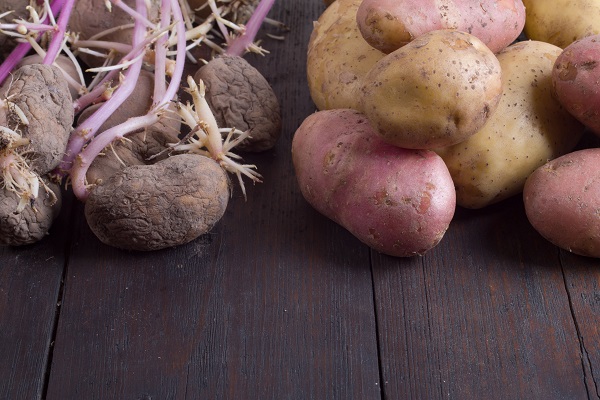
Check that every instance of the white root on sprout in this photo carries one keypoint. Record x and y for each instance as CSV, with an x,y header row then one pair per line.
x,y
226,23
16,175
207,138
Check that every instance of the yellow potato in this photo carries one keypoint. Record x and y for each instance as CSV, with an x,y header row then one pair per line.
x,y
528,128
436,91
338,57
561,22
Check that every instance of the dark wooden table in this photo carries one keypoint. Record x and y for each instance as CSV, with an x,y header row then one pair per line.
x,y
277,302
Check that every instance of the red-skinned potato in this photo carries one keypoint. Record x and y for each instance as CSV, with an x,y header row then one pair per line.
x,y
576,81
390,24
562,201
397,201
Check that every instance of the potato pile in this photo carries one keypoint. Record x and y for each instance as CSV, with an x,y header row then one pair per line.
x,y
455,81
139,108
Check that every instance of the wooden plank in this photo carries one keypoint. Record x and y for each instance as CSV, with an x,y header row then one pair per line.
x,y
484,315
582,277
30,282
276,302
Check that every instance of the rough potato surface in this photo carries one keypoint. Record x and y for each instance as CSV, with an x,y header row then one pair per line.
x,y
42,93
31,224
151,207
64,62
135,151
241,98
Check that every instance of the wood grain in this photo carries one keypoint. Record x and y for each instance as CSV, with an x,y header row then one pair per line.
x,y
484,315
30,283
276,302
582,278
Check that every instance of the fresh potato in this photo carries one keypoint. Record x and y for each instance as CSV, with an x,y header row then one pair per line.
x,y
390,24
576,80
562,201
397,201
338,57
561,22
529,128
436,91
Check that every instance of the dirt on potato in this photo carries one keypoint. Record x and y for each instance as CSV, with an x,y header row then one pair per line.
x,y
42,94
31,224
151,207
138,149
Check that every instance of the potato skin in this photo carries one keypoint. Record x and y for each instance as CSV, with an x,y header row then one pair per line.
x,y
561,22
241,98
42,93
338,57
33,223
436,91
576,81
388,25
151,207
91,17
528,128
562,201
397,201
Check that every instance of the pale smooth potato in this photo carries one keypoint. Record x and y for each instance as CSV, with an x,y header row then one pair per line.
x,y
562,201
561,22
528,128
338,57
435,91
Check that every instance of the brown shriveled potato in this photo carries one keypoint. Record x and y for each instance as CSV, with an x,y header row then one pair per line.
x,y
528,128
42,94
31,224
338,57
562,201
436,91
241,98
151,207
63,62
138,149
